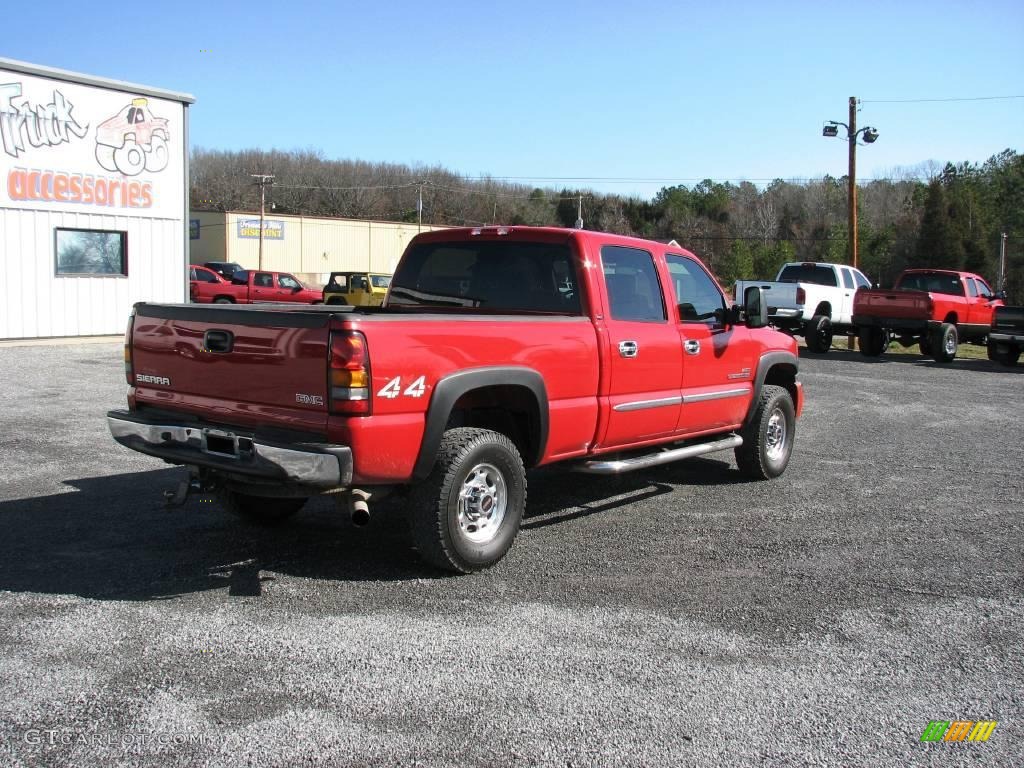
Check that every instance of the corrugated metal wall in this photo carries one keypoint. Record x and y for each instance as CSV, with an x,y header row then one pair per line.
x,y
38,304
310,246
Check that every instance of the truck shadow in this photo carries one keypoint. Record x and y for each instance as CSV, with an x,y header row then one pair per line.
x,y
112,538
959,364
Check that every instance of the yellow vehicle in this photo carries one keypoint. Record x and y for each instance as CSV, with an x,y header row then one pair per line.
x,y
360,289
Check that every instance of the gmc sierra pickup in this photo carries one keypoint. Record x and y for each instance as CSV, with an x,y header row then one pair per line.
x,y
496,349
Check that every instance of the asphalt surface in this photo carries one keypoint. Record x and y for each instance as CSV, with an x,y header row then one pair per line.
x,y
678,616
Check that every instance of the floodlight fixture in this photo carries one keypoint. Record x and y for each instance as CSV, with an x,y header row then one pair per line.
x,y
830,130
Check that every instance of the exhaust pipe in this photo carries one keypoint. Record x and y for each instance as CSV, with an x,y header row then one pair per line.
x,y
359,508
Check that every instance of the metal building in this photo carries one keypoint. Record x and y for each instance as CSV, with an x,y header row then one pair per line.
x,y
93,200
310,247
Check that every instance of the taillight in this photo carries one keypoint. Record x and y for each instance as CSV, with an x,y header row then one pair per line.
x,y
801,295
128,374
349,374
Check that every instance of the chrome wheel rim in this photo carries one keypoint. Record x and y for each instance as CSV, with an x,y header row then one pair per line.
x,y
775,435
483,500
950,343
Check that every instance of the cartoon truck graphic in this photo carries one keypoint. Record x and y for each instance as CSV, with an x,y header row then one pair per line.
x,y
133,140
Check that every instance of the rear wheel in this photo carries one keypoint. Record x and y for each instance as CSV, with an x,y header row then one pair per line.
x,y
944,342
768,437
1004,354
818,333
223,300
263,510
467,512
873,341
925,345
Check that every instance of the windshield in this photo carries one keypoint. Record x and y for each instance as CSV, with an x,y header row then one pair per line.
x,y
808,273
380,281
488,275
933,282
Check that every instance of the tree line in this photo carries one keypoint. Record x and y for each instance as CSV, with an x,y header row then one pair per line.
x,y
950,216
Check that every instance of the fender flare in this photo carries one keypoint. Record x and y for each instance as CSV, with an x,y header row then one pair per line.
x,y
765,364
447,392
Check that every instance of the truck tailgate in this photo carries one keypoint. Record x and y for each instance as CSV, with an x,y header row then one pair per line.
x,y
893,303
233,365
776,295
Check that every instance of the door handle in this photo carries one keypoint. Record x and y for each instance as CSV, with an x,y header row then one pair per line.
x,y
692,347
628,348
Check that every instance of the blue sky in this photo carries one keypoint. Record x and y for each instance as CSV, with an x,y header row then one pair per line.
x,y
662,92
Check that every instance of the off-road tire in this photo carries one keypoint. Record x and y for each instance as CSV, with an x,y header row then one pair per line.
x,y
1008,357
262,510
872,340
765,451
818,334
944,342
337,300
439,531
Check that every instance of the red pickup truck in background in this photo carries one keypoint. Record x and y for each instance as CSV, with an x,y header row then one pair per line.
x,y
497,349
203,284
252,287
936,308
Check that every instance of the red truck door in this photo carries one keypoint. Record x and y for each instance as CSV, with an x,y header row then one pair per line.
x,y
645,359
979,310
718,361
290,289
262,287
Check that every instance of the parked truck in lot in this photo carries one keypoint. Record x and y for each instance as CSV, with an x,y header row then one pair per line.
x,y
935,308
811,299
1006,336
256,286
360,289
497,349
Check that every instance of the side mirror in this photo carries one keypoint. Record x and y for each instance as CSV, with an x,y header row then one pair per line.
x,y
754,307
296,289
999,295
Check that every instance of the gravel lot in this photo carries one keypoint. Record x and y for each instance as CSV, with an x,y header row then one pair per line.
x,y
679,616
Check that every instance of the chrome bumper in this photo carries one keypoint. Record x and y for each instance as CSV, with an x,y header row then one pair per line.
x,y
314,465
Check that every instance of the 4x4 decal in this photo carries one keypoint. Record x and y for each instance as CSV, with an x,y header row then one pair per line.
x,y
393,388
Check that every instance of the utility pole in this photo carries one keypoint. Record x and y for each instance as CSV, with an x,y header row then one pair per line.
x,y
579,214
1002,262
263,180
419,209
853,181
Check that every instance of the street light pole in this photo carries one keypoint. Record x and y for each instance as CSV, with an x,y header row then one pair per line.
x,y
870,135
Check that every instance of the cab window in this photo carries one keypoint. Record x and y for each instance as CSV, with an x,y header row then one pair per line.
x,y
696,294
862,282
287,281
983,288
632,283
263,280
972,289
847,279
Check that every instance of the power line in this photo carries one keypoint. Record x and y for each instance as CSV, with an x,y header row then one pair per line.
x,y
921,101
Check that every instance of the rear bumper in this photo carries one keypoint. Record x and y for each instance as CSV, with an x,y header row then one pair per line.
x,y
238,453
903,324
1006,338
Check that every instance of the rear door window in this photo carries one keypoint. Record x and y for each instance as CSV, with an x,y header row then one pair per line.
x,y
632,283
847,278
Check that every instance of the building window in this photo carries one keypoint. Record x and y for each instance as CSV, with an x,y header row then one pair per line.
x,y
91,252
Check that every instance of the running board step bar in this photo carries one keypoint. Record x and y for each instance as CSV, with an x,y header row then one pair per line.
x,y
619,466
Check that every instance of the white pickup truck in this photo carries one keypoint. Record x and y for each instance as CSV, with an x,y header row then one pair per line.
x,y
811,299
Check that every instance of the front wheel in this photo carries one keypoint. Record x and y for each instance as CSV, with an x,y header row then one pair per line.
x,y
873,341
466,514
944,343
262,510
818,333
223,300
768,436
337,300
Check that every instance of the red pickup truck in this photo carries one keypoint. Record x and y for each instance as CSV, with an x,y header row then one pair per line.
x,y
496,349
936,308
252,287
204,284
